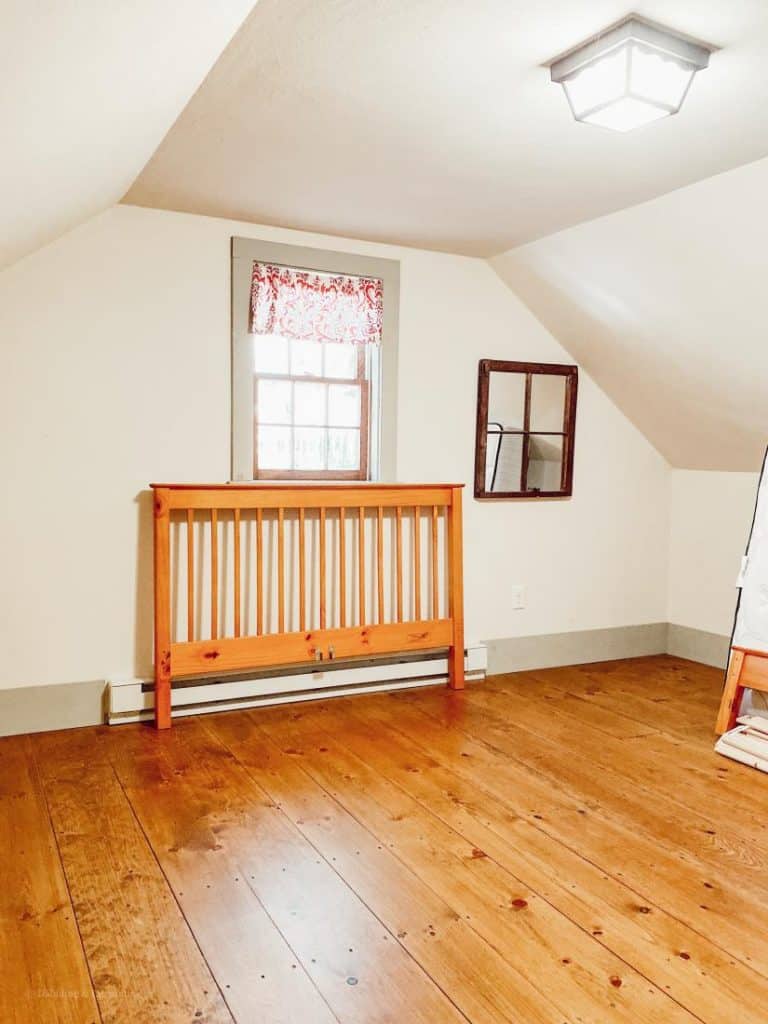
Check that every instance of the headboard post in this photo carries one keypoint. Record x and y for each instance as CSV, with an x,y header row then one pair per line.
x,y
162,532
456,591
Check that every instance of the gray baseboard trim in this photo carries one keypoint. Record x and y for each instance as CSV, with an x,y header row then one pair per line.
x,y
698,645
70,705
44,708
550,650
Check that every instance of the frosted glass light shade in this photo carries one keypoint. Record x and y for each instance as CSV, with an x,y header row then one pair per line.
x,y
629,76
628,87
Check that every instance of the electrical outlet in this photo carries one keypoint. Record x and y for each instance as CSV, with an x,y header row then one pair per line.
x,y
517,595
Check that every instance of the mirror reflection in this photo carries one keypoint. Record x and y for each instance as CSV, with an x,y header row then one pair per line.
x,y
526,419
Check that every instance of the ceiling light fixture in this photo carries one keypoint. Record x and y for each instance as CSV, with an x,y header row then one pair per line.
x,y
629,75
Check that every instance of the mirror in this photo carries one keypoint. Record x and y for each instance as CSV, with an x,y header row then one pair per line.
x,y
526,418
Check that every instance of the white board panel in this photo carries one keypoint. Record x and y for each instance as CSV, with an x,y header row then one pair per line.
x,y
751,624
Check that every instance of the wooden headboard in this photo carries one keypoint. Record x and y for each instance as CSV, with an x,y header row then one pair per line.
x,y
249,576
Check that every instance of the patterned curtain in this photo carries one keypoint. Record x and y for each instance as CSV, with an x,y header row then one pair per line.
x,y
306,305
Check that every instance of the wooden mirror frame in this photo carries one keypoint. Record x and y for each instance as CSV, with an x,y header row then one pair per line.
x,y
571,374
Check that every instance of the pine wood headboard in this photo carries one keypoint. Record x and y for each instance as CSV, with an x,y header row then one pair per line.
x,y
254,576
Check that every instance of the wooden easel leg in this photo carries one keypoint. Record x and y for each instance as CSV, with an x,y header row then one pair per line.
x,y
732,694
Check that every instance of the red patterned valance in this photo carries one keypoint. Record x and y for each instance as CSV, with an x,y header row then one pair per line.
x,y
305,305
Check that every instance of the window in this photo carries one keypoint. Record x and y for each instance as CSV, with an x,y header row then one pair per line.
x,y
526,424
313,364
311,409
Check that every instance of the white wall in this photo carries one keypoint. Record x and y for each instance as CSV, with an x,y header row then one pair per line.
x,y
115,373
710,516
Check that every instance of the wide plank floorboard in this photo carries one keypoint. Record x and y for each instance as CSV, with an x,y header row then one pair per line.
x,y
305,947
43,971
610,838
435,934
666,951
551,847
528,931
144,960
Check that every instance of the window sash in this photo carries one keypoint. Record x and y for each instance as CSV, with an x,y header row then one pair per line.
x,y
362,381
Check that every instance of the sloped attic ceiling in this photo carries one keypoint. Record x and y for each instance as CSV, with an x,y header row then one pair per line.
x,y
89,89
434,123
666,306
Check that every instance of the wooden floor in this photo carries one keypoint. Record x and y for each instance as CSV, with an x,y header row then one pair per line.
x,y
549,847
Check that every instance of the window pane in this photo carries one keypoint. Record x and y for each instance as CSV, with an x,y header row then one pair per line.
x,y
503,461
306,359
309,448
547,401
506,400
545,463
273,401
309,403
343,449
270,354
340,360
344,405
274,450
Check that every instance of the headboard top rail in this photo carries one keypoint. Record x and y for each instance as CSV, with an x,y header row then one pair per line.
x,y
184,497
258,485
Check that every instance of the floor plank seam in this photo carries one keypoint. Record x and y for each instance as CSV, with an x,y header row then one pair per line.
x,y
294,954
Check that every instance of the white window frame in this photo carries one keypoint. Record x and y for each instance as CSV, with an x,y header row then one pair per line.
x,y
383,413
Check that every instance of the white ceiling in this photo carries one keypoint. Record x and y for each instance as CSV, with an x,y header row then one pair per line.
x,y
665,305
433,122
89,89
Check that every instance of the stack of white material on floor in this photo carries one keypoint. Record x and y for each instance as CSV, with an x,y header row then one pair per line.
x,y
747,743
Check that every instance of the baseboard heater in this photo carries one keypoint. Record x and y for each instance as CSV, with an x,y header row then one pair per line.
x,y
133,700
